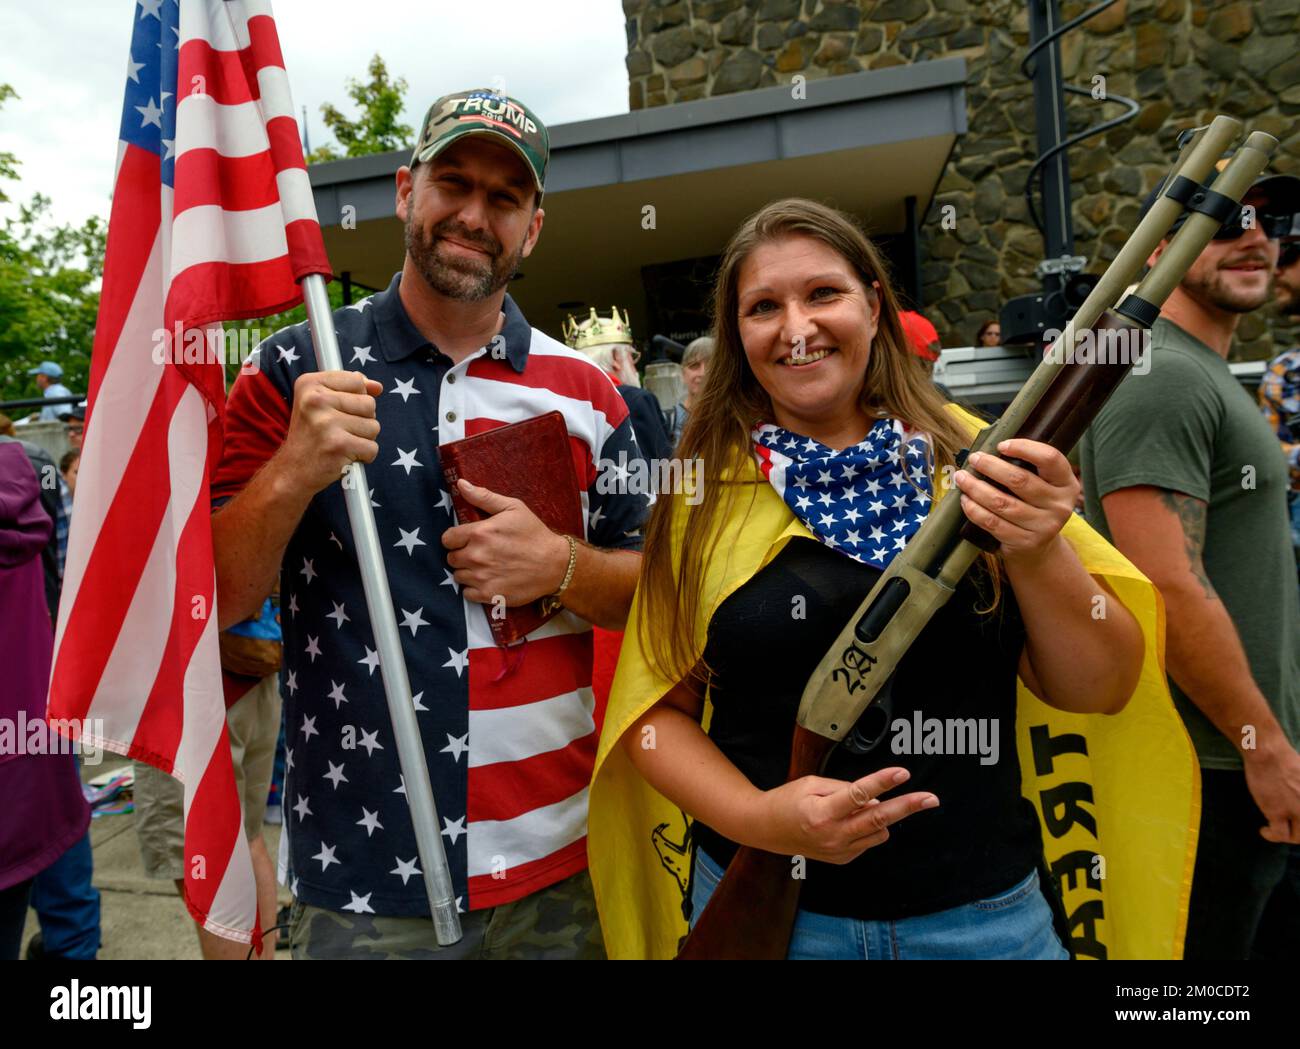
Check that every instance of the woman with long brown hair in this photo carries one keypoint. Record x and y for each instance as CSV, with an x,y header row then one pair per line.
x,y
821,440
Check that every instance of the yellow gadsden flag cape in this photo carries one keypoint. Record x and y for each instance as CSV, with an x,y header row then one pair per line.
x,y
1118,796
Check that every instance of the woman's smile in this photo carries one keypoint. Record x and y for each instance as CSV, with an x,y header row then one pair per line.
x,y
806,358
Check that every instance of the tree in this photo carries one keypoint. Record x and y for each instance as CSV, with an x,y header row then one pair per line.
x,y
377,130
8,162
49,296
49,290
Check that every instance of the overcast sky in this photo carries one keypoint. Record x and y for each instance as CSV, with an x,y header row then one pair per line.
x,y
67,61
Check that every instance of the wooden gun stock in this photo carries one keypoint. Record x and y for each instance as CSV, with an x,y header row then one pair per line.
x,y
751,912
1070,403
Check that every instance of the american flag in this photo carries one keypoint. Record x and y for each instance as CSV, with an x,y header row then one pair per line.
x,y
866,500
212,219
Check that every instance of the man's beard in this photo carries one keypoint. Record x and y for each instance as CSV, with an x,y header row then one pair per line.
x,y
1212,288
459,277
1287,289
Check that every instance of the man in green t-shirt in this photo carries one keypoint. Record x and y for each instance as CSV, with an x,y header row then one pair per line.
x,y
1182,474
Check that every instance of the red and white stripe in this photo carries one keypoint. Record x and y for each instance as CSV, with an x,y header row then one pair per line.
x,y
136,645
532,744
772,465
532,730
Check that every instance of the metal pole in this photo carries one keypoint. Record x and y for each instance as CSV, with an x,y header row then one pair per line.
x,y
912,233
1050,125
392,665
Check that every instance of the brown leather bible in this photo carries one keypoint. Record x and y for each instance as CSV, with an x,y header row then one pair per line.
x,y
531,461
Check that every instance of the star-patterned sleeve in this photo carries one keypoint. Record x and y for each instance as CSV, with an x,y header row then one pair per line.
x,y
1279,400
619,498
257,415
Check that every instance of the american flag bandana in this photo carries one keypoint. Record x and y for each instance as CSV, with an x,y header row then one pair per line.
x,y
866,501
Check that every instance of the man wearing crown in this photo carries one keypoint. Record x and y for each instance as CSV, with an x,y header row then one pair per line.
x,y
608,342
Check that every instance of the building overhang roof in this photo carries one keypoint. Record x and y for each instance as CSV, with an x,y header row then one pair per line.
x,y
864,142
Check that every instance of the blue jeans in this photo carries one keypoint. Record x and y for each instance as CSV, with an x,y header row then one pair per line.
x,y
68,905
1015,924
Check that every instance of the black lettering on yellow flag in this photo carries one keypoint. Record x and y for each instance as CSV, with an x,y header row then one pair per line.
x,y
1064,816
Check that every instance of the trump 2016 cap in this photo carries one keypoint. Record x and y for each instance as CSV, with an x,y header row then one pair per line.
x,y
485,112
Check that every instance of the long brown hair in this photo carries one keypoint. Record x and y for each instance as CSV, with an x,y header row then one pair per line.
x,y
731,401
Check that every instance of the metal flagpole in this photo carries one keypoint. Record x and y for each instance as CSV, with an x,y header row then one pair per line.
x,y
392,665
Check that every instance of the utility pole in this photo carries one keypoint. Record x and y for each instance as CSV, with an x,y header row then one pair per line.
x,y
1063,283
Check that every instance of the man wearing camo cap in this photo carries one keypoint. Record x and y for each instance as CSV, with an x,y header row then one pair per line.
x,y
509,736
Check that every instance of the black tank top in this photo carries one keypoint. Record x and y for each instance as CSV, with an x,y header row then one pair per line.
x,y
763,643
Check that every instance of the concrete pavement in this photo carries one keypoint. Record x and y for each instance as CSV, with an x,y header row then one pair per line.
x,y
140,918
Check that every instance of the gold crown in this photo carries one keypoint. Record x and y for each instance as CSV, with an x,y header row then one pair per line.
x,y
598,331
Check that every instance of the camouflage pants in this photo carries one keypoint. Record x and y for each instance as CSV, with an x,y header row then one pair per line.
x,y
558,922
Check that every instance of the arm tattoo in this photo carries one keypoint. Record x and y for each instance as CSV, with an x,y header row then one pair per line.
x,y
1191,516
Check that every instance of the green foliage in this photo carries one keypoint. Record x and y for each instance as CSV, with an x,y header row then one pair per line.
x,y
49,290
8,162
49,296
380,102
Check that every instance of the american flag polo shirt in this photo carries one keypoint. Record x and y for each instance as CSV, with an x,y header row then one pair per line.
x,y
510,754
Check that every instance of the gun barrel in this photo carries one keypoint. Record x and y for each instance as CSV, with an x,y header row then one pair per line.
x,y
850,675
1196,163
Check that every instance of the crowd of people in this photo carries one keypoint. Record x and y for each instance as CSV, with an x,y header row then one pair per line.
x,y
823,442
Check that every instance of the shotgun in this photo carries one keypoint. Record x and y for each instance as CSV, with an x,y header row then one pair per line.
x,y
752,911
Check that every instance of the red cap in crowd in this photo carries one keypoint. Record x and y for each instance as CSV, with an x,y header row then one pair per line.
x,y
921,335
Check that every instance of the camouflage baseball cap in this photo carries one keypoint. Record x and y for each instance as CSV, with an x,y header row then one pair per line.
x,y
483,111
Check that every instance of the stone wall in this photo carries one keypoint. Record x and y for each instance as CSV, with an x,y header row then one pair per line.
x,y
1182,60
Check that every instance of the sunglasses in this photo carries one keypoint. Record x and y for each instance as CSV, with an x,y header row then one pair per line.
x,y
1274,227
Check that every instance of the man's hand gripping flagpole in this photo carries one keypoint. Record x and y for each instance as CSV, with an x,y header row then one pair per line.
x,y
392,665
